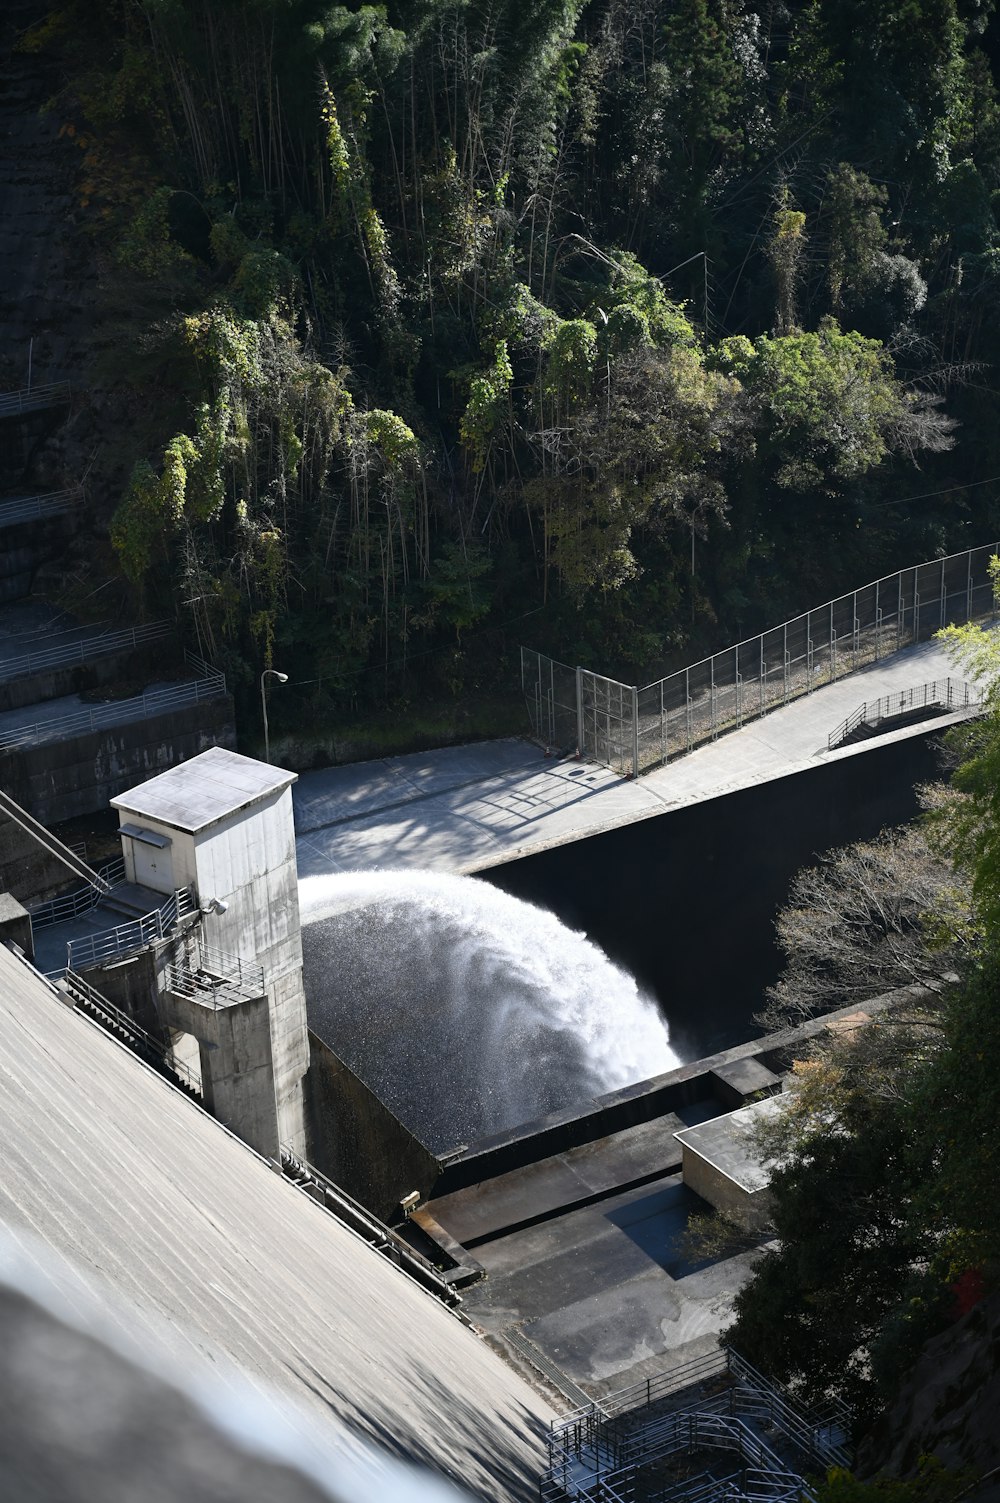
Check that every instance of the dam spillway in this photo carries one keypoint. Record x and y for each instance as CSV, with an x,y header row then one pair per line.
x,y
677,876
469,1011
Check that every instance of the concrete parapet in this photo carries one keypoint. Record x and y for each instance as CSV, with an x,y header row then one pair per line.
x,y
15,924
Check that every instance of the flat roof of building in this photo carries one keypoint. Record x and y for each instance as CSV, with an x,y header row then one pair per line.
x,y
724,1142
204,790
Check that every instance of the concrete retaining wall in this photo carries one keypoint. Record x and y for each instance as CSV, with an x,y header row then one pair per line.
x,y
62,780
686,900
27,869
142,663
355,1140
643,1102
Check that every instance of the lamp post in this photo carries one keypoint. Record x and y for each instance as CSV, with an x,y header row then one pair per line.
x,y
282,679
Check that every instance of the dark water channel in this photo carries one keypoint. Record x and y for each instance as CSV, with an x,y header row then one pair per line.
x,y
687,900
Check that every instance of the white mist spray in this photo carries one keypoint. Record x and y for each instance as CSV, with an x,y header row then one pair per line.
x,y
467,1010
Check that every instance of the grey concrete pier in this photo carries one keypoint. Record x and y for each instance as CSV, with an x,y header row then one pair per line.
x,y
464,809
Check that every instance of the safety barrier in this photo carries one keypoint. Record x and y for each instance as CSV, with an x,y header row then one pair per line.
x,y
134,934
119,712
20,509
944,695
34,398
81,900
68,648
632,729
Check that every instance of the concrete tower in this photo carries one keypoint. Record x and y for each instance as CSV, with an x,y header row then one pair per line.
x,y
222,825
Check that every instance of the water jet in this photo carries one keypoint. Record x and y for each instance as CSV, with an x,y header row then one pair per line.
x,y
468,1011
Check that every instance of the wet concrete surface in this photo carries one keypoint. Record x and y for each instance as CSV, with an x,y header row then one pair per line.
x,y
597,1281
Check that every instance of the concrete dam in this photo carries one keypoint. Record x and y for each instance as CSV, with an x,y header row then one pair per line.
x,y
658,893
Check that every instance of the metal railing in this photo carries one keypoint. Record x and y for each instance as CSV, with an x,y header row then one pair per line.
x,y
940,694
64,653
364,1224
118,712
34,398
597,1453
134,934
81,900
45,840
160,1056
215,978
632,729
689,1431
38,508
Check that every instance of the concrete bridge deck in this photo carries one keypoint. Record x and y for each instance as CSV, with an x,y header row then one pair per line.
x,y
464,809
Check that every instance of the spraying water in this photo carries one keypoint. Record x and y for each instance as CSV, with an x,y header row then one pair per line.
x,y
466,1010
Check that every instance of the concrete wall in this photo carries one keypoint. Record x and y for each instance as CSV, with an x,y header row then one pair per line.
x,y
237,1073
647,1100
748,1207
356,1140
61,780
143,663
132,985
687,899
27,870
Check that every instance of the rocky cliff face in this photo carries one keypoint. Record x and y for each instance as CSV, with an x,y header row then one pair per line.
x,y
949,1406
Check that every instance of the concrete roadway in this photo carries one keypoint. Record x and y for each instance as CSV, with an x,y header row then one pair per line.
x,y
463,809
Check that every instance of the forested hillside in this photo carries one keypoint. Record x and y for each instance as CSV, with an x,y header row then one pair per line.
x,y
622,327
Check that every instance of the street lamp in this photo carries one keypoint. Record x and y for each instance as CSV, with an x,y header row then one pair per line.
x,y
282,679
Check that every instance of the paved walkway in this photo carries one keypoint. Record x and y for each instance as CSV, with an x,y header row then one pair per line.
x,y
466,808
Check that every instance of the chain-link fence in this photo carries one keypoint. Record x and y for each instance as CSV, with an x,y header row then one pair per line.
x,y
632,730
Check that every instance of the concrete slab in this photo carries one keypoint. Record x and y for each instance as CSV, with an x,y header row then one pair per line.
x,y
545,1188
464,809
604,1290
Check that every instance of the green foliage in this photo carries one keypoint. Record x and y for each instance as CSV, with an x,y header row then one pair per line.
x,y
932,1482
264,285
571,349
829,402
322,211
842,1210
455,590
485,410
147,246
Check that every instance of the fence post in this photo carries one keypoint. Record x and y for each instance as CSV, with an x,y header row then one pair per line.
x,y
635,731
663,727
579,713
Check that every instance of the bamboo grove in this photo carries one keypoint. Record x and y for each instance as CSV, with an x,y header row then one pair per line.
x,y
643,317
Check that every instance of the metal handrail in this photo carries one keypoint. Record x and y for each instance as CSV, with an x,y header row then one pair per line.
x,y
81,900
45,839
34,398
600,1451
36,508
948,694
136,934
119,712
83,649
216,978
353,1215
141,1042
